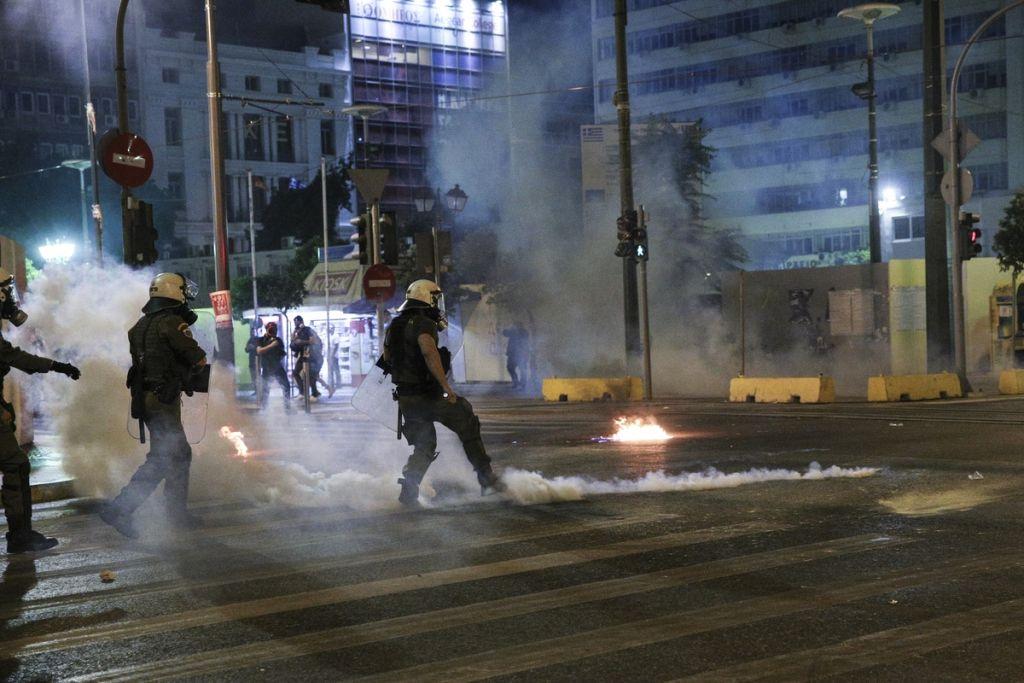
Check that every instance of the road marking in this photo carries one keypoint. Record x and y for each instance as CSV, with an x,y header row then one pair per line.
x,y
335,595
536,655
242,656
350,560
891,646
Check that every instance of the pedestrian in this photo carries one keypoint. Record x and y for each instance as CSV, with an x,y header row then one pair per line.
x,y
166,360
419,371
517,354
270,350
17,490
308,349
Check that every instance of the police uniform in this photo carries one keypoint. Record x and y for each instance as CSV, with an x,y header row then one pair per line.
x,y
164,351
271,368
16,491
421,402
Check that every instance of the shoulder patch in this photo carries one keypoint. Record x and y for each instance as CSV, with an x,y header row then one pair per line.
x,y
183,328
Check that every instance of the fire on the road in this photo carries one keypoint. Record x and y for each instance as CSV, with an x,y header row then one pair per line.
x,y
638,430
237,439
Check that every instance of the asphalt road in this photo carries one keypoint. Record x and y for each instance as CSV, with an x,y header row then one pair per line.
x,y
914,573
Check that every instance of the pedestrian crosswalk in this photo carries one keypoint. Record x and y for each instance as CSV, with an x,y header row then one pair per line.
x,y
597,590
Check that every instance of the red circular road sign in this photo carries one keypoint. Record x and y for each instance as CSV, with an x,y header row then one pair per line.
x,y
379,282
126,158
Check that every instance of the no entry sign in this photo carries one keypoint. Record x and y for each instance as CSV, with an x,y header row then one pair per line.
x,y
126,158
378,283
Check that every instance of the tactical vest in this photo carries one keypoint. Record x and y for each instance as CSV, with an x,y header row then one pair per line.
x,y
408,367
149,347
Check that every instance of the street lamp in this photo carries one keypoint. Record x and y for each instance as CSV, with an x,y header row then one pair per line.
x,y
365,112
81,165
456,199
60,251
868,14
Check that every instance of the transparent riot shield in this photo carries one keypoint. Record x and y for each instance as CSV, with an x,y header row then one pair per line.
x,y
194,415
374,396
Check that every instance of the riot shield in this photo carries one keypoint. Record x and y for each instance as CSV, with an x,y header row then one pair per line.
x,y
194,413
374,397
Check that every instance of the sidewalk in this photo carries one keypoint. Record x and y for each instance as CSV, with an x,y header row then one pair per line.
x,y
49,480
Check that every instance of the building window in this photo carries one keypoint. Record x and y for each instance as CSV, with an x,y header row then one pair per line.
x,y
285,150
252,83
907,228
327,137
253,136
133,110
42,103
170,76
176,185
26,103
172,126
60,105
326,90
284,86
74,106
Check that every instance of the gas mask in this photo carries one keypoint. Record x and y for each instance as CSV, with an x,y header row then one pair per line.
x,y
9,308
191,290
437,312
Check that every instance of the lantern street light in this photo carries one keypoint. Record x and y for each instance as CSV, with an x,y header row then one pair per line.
x,y
456,199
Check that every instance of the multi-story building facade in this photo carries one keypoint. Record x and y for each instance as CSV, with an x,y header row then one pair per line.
x,y
420,61
772,81
280,144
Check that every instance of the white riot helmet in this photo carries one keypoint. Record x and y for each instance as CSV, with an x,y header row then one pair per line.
x,y
173,286
10,308
426,292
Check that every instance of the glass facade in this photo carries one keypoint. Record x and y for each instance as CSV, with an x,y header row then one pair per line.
x,y
419,60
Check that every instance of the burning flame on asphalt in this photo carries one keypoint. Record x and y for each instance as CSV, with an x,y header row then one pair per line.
x,y
237,440
638,430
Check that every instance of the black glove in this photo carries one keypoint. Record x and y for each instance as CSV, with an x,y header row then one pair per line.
x,y
66,369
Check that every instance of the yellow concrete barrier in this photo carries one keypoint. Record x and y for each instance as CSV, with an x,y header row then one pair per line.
x,y
782,390
913,387
1011,382
591,388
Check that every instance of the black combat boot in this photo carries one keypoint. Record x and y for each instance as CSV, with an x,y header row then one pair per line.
x,y
410,495
28,542
490,483
119,520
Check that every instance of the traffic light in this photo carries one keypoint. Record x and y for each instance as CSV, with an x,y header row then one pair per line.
x,y
388,238
141,234
361,238
625,227
970,236
640,249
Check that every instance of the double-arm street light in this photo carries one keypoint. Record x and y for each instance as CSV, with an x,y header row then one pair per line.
x,y
430,202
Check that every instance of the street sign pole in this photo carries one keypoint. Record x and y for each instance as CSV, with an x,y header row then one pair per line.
x,y
327,270
258,379
645,317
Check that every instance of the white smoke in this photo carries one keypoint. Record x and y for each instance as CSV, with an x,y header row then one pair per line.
x,y
82,314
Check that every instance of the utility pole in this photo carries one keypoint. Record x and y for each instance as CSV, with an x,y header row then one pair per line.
x,y
327,270
621,100
258,379
936,262
225,335
90,127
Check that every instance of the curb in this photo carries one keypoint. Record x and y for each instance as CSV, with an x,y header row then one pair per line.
x,y
51,491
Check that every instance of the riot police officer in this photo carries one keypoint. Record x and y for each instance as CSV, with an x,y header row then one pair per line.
x,y
17,491
419,373
165,361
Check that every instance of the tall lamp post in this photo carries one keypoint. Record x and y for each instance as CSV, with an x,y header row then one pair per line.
x,y
868,14
430,202
81,165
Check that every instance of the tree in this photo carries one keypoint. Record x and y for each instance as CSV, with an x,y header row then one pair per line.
x,y
283,292
298,211
671,163
1008,242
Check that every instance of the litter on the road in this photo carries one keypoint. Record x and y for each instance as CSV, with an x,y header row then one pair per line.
x,y
107,576
976,475
895,424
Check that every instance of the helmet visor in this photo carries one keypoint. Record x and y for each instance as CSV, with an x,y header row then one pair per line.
x,y
190,289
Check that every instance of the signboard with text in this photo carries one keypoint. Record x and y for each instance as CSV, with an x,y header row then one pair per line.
x,y
221,302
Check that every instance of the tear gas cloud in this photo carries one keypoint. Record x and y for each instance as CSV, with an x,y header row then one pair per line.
x,y
81,313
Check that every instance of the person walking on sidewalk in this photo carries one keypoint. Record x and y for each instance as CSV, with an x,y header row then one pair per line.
x,y
270,350
17,489
165,359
